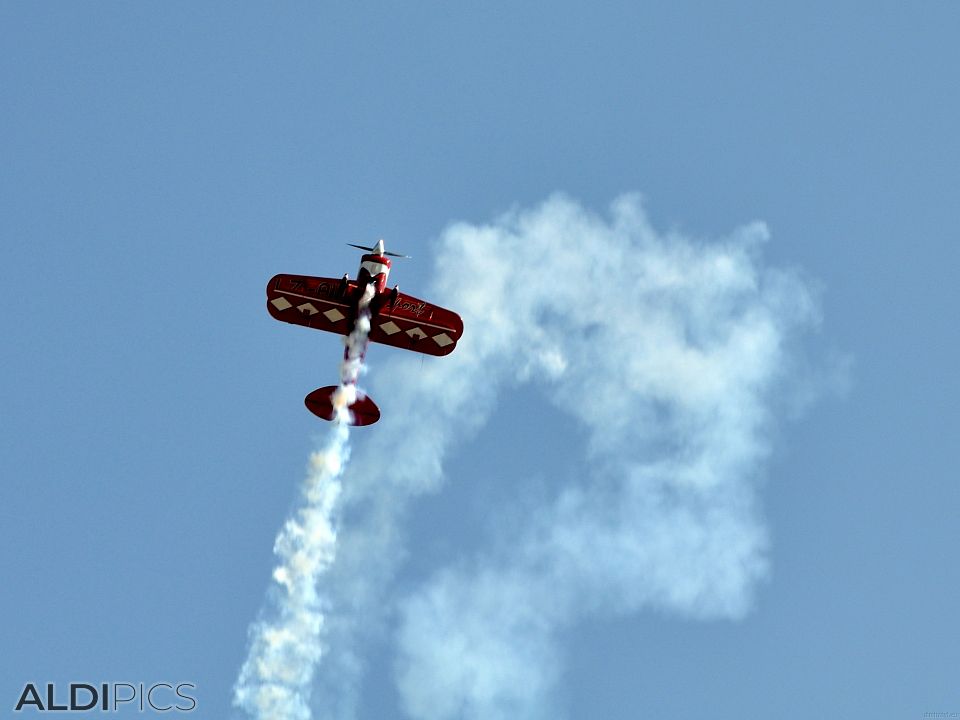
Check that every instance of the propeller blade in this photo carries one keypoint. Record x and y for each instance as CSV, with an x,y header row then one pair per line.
x,y
385,252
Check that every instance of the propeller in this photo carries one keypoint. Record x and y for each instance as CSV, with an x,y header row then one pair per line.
x,y
379,248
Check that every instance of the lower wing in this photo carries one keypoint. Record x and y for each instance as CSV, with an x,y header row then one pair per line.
x,y
402,321
412,324
315,302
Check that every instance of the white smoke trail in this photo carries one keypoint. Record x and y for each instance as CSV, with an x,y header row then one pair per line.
x,y
667,352
352,364
275,680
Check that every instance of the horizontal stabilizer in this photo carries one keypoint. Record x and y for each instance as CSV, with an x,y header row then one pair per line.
x,y
363,411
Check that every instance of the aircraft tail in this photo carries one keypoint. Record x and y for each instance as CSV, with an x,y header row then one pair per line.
x,y
363,411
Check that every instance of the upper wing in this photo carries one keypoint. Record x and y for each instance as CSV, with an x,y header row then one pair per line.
x,y
416,325
316,302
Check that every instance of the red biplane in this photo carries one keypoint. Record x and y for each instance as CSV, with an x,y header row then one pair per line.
x,y
335,304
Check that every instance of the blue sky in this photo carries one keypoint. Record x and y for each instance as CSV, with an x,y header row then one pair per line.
x,y
162,161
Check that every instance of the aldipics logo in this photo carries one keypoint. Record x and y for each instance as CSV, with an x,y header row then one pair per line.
x,y
109,697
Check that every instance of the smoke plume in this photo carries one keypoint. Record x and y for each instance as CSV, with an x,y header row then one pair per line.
x,y
286,643
669,355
